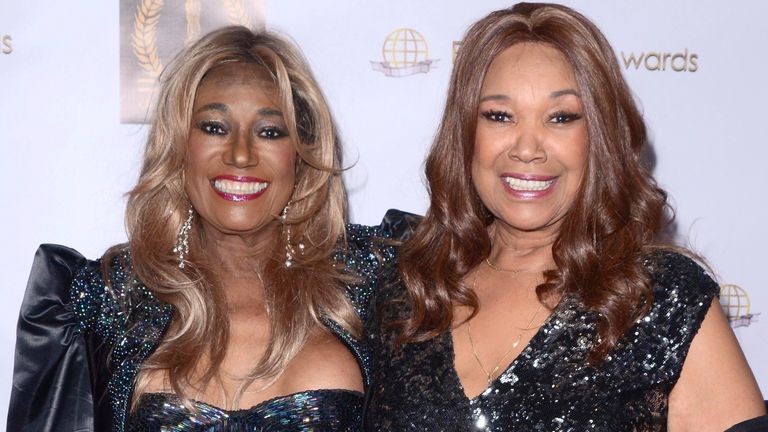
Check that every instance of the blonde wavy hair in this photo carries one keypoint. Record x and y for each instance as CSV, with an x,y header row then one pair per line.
x,y
296,296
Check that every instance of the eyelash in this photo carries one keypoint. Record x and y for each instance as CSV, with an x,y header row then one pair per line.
x,y
209,126
217,128
272,133
496,116
561,117
564,117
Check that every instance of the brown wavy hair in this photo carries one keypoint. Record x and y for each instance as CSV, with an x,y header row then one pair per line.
x,y
617,215
296,296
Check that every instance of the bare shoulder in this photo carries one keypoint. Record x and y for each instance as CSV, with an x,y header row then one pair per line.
x,y
716,388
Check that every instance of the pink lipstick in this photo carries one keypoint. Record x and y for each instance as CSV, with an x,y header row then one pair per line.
x,y
238,188
528,186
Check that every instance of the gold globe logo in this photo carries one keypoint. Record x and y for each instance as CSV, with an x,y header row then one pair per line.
x,y
405,47
735,303
405,52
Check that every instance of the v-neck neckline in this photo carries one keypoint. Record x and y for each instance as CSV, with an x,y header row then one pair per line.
x,y
535,340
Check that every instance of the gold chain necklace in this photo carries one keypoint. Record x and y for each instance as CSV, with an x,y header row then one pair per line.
x,y
515,343
515,271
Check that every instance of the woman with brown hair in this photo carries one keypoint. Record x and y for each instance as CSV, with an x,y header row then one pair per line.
x,y
234,305
535,294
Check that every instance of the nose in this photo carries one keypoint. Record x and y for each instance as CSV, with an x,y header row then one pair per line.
x,y
241,152
527,144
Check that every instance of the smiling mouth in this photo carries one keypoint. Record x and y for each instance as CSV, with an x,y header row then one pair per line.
x,y
236,188
525,185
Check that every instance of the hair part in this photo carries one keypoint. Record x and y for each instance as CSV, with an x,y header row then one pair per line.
x,y
296,297
617,215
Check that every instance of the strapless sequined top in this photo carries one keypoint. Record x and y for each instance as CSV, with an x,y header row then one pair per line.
x,y
91,339
312,410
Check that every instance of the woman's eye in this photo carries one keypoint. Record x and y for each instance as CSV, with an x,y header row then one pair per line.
x,y
212,128
272,133
564,117
497,116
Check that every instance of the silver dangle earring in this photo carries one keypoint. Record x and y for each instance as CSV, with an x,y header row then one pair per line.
x,y
182,239
290,252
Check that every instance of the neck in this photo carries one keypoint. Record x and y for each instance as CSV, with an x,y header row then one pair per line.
x,y
521,250
236,254
238,261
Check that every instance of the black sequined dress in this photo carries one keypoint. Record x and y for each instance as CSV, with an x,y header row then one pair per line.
x,y
80,344
550,386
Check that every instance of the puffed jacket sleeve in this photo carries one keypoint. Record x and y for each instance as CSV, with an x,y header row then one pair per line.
x,y
757,424
398,225
52,388
371,252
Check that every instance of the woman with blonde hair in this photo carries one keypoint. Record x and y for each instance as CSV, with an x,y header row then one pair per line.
x,y
535,295
234,304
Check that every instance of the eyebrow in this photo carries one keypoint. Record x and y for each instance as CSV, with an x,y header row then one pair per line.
x,y
270,112
494,97
554,95
557,93
216,106
213,106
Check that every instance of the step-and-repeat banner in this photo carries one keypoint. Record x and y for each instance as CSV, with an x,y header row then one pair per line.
x,y
76,79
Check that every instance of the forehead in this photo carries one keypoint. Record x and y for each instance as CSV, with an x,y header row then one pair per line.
x,y
530,63
242,75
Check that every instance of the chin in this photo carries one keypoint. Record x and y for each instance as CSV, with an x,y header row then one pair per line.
x,y
243,226
529,224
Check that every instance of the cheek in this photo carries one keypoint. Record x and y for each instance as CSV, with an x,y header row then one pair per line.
x,y
482,176
488,152
574,156
283,163
199,161
572,151
198,155
482,155
288,160
279,163
580,156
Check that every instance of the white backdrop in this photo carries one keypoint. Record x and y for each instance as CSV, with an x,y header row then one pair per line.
x,y
67,159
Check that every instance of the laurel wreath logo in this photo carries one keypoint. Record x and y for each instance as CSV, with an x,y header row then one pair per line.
x,y
192,9
238,14
145,31
145,36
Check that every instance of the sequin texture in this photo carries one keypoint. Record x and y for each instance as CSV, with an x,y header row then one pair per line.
x,y
314,410
365,257
550,386
128,321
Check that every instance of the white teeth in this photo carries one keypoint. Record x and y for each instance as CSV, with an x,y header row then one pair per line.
x,y
238,187
528,185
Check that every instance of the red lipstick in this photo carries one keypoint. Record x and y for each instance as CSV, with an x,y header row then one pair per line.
x,y
238,197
